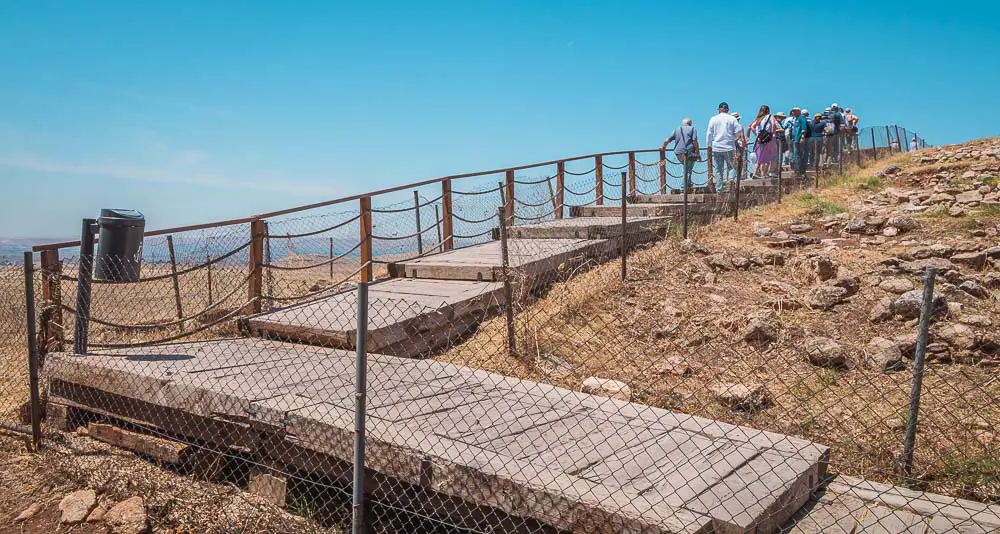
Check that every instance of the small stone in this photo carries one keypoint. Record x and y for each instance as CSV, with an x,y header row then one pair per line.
x,y
760,332
76,506
896,285
673,365
849,282
823,267
719,261
128,517
741,396
825,352
800,228
936,250
976,320
957,211
669,310
29,512
908,304
969,197
760,230
890,231
881,311
957,335
973,288
919,266
886,354
903,222
97,515
955,308
825,297
777,286
718,299
605,387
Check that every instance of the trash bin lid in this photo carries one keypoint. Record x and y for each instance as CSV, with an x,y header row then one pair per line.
x,y
121,214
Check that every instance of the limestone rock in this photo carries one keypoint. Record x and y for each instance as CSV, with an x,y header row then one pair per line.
x,y
969,197
908,304
919,266
605,387
903,222
886,354
29,512
890,231
825,352
673,365
825,297
976,260
896,285
800,228
976,320
777,286
957,335
849,282
937,250
881,311
76,506
128,517
973,288
760,230
741,396
97,515
760,332
823,267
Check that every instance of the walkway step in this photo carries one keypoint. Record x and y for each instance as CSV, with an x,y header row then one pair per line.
x,y
569,460
407,317
531,257
608,227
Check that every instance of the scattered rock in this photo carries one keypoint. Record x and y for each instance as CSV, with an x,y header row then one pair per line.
x,y
670,310
936,250
973,288
128,517
976,320
825,352
741,396
29,512
976,260
97,515
937,352
881,311
800,228
890,231
904,223
957,335
673,365
849,282
907,306
919,266
760,230
689,245
718,299
969,197
776,286
718,262
605,387
825,297
76,506
760,332
896,285
957,211
823,267
886,354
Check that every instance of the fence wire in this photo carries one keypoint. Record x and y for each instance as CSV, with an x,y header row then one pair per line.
x,y
542,352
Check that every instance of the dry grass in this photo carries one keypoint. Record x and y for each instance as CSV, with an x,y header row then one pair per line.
x,y
593,325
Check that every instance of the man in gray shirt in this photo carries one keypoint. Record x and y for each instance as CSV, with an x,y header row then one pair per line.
x,y
685,139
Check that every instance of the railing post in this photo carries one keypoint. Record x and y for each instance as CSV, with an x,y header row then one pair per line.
x,y
84,279
739,173
208,278
416,211
560,182
437,226
926,310
53,334
176,281
509,191
663,171
708,155
508,291
632,191
366,239
331,258
888,138
781,158
624,250
874,147
29,307
447,240
599,180
255,284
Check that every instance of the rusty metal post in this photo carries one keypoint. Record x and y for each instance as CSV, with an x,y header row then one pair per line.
x,y
509,191
176,282
710,184
255,284
633,190
53,333
926,310
874,146
420,233
366,239
739,173
437,224
599,180
624,249
663,171
447,240
29,307
560,183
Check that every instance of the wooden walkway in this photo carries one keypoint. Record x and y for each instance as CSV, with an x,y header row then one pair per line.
x,y
566,459
407,317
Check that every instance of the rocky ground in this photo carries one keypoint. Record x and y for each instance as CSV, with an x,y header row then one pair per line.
x,y
802,318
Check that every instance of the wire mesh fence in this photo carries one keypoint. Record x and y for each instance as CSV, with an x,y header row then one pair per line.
x,y
526,350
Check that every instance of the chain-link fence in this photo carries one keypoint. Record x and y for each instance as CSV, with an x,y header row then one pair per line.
x,y
535,349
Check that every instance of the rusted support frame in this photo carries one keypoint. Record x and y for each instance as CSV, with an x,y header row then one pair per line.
x,y
447,239
560,183
598,180
255,282
366,238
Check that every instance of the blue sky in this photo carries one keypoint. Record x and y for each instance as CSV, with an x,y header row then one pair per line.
x,y
196,111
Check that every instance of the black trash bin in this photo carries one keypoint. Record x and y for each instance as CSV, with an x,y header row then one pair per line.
x,y
119,245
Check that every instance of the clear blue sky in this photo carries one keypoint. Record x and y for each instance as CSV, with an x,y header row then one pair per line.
x,y
195,111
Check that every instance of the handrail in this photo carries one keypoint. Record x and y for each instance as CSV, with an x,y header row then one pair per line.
x,y
325,203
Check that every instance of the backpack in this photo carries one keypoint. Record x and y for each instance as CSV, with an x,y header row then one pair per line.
x,y
687,143
764,134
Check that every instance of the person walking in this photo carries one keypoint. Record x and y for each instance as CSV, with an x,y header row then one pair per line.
x,y
741,146
721,136
685,139
837,118
765,147
851,121
796,130
817,140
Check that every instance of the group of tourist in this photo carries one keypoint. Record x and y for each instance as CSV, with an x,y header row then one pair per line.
x,y
797,140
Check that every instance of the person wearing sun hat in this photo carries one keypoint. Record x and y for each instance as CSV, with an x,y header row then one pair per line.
x,y
779,134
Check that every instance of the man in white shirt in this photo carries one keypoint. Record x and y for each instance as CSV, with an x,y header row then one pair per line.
x,y
723,130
